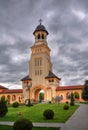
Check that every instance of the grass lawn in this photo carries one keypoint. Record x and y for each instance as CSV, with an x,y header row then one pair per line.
x,y
35,113
3,127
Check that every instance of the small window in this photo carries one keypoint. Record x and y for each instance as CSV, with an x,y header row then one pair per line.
x,y
35,72
40,72
49,80
42,36
27,82
40,61
52,80
38,36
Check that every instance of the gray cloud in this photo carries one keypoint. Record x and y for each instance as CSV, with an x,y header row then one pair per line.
x,y
67,23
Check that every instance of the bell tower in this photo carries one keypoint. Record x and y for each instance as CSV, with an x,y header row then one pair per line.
x,y
40,62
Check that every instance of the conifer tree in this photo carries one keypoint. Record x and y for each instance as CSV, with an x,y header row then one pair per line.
x,y
3,107
72,99
85,91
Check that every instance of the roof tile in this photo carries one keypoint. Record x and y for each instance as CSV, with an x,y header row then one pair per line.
x,y
69,87
51,75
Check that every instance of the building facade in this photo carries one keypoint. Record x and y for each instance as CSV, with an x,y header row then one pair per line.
x,y
11,95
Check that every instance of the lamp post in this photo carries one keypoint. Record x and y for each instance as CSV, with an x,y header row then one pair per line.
x,y
28,88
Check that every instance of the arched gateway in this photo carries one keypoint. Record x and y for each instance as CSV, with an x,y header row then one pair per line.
x,y
40,75
35,92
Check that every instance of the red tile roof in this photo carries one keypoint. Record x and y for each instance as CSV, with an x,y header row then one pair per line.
x,y
69,87
13,91
2,87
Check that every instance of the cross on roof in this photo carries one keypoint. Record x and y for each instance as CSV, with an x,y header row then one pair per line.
x,y
40,20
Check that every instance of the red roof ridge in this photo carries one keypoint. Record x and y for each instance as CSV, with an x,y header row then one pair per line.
x,y
2,87
69,87
13,91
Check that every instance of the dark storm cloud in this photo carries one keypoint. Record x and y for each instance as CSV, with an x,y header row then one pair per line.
x,y
66,21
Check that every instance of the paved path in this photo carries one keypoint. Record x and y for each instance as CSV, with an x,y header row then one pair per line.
x,y
36,124
78,121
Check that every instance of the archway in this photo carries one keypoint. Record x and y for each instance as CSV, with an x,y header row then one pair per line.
x,y
68,95
8,98
76,95
41,95
13,97
36,91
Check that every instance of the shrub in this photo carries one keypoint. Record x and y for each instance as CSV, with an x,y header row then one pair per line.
x,y
49,102
48,114
66,107
15,104
67,102
3,108
22,124
72,103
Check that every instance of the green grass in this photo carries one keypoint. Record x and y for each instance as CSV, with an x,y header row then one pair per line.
x,y
3,127
35,113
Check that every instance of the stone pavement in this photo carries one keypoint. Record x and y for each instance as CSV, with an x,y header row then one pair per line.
x,y
36,124
78,121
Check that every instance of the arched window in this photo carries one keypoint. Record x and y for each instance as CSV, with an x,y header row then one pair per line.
x,y
42,36
8,98
68,95
49,80
19,99
61,97
13,98
38,36
52,80
76,95
40,61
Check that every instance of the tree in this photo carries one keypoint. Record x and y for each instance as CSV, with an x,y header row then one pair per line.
x,y
22,124
72,99
41,96
76,95
85,91
3,107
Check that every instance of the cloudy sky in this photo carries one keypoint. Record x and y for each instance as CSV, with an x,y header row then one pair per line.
x,y
67,24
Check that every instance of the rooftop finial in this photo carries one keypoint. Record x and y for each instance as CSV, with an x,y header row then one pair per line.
x,y
40,20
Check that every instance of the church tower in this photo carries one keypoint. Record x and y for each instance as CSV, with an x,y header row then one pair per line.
x,y
40,62
40,75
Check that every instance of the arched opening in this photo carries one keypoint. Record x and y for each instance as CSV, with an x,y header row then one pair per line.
x,y
8,98
76,96
62,97
19,99
13,98
68,95
41,95
42,36
3,98
38,36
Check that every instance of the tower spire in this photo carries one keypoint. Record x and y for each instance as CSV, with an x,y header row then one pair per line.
x,y
40,21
